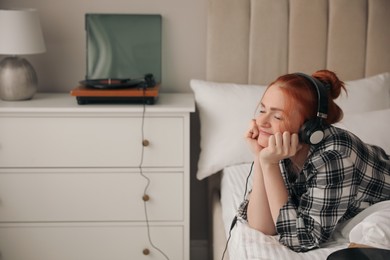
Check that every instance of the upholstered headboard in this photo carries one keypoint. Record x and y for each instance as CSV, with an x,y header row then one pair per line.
x,y
254,41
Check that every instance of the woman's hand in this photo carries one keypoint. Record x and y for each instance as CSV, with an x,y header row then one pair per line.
x,y
280,146
251,136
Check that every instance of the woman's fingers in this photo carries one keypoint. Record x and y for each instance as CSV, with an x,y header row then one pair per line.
x,y
286,143
253,131
282,146
251,136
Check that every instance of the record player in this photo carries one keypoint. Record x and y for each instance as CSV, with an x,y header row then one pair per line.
x,y
123,59
117,91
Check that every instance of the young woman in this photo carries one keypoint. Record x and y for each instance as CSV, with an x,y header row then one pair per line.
x,y
302,189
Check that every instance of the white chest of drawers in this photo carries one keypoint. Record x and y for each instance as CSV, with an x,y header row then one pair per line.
x,y
71,185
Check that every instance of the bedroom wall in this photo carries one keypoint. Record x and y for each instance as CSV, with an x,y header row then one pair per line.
x,y
63,64
184,40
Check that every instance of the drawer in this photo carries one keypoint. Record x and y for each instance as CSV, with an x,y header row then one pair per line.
x,y
88,196
91,142
90,243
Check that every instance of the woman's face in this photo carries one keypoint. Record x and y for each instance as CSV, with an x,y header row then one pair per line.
x,y
272,116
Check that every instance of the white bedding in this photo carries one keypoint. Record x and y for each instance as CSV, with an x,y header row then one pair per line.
x,y
247,243
232,191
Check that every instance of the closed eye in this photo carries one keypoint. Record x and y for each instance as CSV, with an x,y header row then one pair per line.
x,y
278,113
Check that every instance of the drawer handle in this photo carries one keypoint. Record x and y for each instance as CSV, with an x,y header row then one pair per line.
x,y
145,142
146,251
146,197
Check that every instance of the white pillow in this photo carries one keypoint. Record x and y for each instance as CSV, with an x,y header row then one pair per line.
x,y
372,127
374,229
225,110
367,94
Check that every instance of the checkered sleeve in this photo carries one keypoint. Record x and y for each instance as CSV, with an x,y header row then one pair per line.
x,y
305,223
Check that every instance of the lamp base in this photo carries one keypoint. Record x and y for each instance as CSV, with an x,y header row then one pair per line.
x,y
18,80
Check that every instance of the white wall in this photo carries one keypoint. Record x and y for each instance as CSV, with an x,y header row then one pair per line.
x,y
63,64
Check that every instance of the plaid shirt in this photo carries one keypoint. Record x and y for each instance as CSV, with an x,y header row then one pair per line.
x,y
341,177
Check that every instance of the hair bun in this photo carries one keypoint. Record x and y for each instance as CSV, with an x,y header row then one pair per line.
x,y
330,78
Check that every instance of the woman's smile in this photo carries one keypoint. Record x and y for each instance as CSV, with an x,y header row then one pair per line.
x,y
264,133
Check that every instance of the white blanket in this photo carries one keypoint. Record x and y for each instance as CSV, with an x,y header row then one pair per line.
x,y
247,243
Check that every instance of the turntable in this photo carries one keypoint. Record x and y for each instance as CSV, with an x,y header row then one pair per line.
x,y
123,59
117,91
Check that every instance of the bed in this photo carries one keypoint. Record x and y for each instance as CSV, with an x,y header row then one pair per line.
x,y
249,44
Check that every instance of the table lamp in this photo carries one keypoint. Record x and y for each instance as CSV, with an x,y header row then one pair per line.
x,y
21,34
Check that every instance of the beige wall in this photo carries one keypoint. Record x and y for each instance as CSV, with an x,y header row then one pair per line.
x,y
63,64
184,55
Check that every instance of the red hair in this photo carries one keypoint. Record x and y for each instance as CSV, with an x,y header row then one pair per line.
x,y
301,96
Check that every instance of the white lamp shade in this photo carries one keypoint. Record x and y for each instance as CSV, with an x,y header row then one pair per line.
x,y
20,32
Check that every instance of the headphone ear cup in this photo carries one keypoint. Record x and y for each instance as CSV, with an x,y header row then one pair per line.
x,y
311,132
303,133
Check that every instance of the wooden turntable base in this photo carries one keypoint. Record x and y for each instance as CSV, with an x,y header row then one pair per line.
x,y
89,95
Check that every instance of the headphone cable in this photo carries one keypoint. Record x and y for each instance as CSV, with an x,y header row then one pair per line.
x,y
234,221
147,178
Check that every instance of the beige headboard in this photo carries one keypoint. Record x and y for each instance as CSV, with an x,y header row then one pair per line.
x,y
254,41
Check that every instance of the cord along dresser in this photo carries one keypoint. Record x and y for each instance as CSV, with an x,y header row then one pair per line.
x,y
73,179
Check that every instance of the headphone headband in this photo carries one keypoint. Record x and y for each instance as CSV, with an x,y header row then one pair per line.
x,y
322,94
